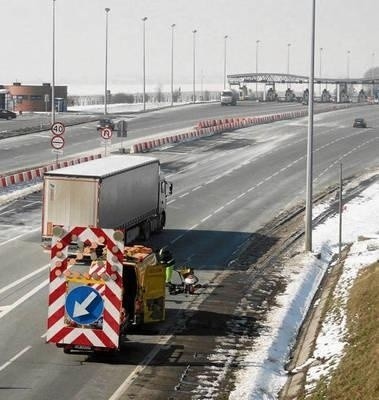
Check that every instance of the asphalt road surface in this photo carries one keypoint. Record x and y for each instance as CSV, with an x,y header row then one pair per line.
x,y
35,149
226,187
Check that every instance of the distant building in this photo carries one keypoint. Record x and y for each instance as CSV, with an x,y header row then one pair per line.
x,y
18,97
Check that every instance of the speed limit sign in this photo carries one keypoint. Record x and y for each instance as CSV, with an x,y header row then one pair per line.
x,y
58,128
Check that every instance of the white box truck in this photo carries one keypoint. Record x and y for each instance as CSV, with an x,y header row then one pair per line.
x,y
121,191
229,97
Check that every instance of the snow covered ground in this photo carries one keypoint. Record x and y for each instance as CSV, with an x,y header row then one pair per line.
x,y
266,374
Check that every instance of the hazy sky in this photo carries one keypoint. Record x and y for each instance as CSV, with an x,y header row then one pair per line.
x,y
26,49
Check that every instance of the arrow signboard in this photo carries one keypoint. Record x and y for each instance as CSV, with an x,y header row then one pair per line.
x,y
84,305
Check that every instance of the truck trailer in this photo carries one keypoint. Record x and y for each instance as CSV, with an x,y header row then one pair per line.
x,y
124,192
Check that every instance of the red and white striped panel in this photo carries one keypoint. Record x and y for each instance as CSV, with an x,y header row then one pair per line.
x,y
60,329
98,270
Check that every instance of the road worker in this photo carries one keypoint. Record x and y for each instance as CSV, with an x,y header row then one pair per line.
x,y
166,257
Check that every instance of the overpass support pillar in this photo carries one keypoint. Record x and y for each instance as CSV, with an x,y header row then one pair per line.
x,y
264,92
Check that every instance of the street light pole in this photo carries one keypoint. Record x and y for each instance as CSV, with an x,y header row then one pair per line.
x,y
144,64
256,68
53,72
309,181
348,64
194,65
225,38
106,62
288,61
372,72
172,64
321,49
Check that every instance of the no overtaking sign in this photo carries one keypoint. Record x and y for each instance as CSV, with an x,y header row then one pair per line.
x,y
57,142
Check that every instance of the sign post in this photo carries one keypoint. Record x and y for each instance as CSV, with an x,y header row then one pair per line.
x,y
122,131
106,134
57,141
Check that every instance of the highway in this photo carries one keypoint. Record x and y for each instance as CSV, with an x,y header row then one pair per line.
x,y
35,149
226,187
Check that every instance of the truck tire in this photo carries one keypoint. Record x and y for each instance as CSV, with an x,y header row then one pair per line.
x,y
162,222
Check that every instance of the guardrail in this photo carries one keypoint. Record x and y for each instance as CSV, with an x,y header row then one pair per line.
x,y
214,126
34,173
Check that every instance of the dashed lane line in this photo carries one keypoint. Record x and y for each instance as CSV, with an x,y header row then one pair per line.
x,y
14,358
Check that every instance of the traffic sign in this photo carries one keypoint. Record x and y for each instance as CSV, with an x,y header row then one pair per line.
x,y
58,128
57,142
122,128
84,305
57,151
106,133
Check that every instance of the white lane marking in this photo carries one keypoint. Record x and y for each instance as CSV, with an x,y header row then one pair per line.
x,y
19,236
207,217
184,195
134,375
24,278
10,361
197,188
24,298
342,157
178,237
33,202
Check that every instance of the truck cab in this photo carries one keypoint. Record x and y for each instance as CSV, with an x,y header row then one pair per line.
x,y
229,97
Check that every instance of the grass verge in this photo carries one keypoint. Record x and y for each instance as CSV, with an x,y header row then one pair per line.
x,y
356,377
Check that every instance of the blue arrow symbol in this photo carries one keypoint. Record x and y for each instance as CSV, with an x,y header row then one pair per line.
x,y
80,309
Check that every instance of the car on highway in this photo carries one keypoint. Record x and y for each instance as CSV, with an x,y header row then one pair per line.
x,y
359,123
105,123
6,114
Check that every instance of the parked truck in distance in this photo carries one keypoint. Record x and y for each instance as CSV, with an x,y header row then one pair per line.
x,y
229,97
125,192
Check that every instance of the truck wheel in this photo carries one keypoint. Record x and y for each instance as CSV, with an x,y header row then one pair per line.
x,y
162,222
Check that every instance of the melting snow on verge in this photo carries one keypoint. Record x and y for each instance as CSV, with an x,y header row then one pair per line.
x,y
266,374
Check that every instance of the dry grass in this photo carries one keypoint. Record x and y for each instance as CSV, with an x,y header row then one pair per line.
x,y
357,376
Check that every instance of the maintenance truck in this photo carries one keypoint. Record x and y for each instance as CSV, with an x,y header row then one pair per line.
x,y
99,288
125,192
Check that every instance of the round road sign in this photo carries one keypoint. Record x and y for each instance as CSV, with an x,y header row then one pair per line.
x,y
58,128
106,133
57,142
84,305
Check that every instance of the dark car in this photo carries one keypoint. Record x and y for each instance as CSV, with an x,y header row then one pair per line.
x,y
105,123
359,123
6,114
